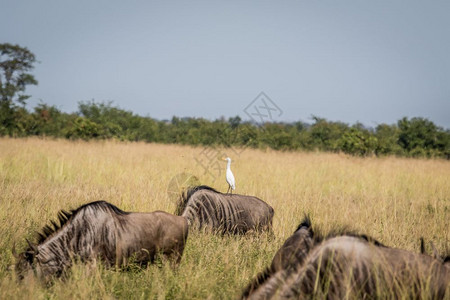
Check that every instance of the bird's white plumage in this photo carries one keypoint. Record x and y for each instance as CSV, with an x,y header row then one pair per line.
x,y
229,174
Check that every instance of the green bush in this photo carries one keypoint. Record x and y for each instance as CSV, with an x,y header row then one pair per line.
x,y
358,142
83,128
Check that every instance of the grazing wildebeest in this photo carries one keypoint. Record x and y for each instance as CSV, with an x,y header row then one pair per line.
x,y
101,230
205,207
344,265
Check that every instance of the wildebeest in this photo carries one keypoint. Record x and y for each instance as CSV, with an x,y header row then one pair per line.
x,y
204,207
344,265
101,230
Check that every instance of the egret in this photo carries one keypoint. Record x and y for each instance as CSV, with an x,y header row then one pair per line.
x,y
230,177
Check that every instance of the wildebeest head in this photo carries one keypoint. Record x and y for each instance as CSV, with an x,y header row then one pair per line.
x,y
37,261
25,261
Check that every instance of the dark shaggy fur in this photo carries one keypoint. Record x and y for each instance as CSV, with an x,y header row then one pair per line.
x,y
183,200
64,216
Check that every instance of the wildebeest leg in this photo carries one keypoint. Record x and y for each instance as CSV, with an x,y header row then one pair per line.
x,y
177,254
120,259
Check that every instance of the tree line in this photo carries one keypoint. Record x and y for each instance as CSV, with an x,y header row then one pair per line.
x,y
415,137
411,137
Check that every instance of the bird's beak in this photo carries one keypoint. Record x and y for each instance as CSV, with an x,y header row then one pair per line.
x,y
223,158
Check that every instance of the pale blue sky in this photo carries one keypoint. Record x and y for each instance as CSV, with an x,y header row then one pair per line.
x,y
367,61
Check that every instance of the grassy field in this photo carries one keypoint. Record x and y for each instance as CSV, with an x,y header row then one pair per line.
x,y
395,200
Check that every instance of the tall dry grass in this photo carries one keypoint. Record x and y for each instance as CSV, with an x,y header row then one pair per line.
x,y
395,200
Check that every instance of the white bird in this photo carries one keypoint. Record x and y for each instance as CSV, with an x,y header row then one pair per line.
x,y
230,176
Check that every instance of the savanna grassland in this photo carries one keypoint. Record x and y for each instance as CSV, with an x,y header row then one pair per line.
x,y
395,200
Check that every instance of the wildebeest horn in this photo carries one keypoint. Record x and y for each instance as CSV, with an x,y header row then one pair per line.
x,y
33,247
13,250
422,246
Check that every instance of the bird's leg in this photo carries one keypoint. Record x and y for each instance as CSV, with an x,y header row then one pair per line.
x,y
228,191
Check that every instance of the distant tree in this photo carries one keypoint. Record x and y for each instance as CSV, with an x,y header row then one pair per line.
x,y
48,120
301,126
387,136
325,135
83,128
358,141
234,122
420,137
15,63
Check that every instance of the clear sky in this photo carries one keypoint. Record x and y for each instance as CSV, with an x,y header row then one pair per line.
x,y
368,61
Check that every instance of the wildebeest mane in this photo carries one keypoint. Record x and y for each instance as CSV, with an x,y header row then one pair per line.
x,y
318,236
64,216
184,198
48,230
346,232
306,222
